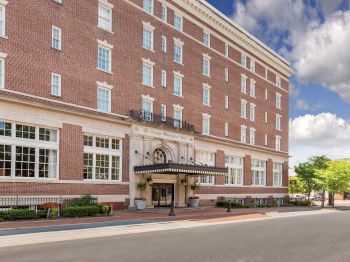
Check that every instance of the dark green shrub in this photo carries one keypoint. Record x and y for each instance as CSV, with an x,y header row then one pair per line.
x,y
15,214
41,214
224,203
84,200
81,211
106,209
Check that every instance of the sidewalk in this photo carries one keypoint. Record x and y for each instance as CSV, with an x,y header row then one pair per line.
x,y
129,217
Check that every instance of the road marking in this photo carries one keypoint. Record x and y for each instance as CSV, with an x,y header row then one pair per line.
x,y
77,234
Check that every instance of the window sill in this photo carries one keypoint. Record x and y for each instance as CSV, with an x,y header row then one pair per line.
x,y
151,50
103,111
178,95
95,181
105,29
148,85
4,36
178,62
206,105
105,71
206,75
56,49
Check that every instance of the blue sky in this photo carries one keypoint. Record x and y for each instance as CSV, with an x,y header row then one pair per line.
x,y
314,36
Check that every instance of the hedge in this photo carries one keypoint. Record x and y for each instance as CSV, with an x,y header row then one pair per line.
x,y
15,214
224,203
81,211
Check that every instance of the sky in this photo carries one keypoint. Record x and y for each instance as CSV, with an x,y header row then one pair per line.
x,y
314,35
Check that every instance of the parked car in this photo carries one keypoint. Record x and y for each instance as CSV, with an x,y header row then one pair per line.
x,y
319,196
297,196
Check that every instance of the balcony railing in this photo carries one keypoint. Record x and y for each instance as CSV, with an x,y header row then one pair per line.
x,y
146,116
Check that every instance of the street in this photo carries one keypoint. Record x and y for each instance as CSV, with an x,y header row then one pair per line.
x,y
317,237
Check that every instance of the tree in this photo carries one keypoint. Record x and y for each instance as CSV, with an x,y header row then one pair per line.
x,y
295,185
336,177
306,173
320,163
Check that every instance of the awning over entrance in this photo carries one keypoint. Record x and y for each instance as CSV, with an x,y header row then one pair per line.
x,y
173,168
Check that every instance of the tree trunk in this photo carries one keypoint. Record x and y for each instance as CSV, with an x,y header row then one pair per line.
x,y
308,196
331,199
323,198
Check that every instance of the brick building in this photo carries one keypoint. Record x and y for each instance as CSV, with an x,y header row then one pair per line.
x,y
97,95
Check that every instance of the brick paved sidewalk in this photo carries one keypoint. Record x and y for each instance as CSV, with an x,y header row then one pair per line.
x,y
206,214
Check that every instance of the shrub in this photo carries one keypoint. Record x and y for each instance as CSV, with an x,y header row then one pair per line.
x,y
84,200
15,214
224,203
106,209
81,211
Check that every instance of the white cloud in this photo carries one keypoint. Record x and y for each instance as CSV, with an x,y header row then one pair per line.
x,y
301,104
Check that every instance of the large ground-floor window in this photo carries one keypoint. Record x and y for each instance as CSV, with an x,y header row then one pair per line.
x,y
235,170
258,172
277,174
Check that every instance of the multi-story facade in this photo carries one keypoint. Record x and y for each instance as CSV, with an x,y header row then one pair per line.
x,y
98,95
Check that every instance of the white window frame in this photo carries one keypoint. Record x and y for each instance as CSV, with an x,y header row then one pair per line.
x,y
252,88
243,83
178,76
252,65
226,50
208,159
252,112
277,175
148,8
109,92
252,136
226,75
150,100
178,18
260,170
206,95
107,47
235,165
278,81
2,68
266,140
206,38
149,64
266,117
226,131
243,109
278,140
147,27
163,78
278,122
163,115
178,45
206,124
243,134
243,60
266,94
206,65
59,86
105,20
278,101
164,44
266,73
164,13
59,39
226,103
3,4
177,121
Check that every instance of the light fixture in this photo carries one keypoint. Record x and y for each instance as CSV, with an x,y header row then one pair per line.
x,y
185,182
149,180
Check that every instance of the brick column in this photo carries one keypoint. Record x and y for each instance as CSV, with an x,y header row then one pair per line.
x,y
125,159
71,152
269,172
285,174
247,180
220,162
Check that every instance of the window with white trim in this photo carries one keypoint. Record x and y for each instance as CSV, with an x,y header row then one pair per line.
x,y
102,158
147,74
278,101
206,66
266,95
56,38
178,22
226,50
177,85
2,20
178,52
177,116
164,44
252,136
2,73
206,124
104,61
226,129
252,112
243,60
266,140
148,6
235,170
278,81
147,109
206,95
164,13
277,174
208,159
105,17
266,117
278,122
243,109
243,134
206,38
28,151
266,73
55,84
58,1
103,99
163,78
147,36
258,172
162,112
278,143
226,102
243,83
252,87
252,65
226,74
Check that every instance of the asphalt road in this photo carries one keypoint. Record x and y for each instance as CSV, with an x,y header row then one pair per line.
x,y
321,237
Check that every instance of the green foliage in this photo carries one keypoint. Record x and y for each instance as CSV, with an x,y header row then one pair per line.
x,y
141,186
81,211
53,213
84,200
16,214
194,187
106,210
296,185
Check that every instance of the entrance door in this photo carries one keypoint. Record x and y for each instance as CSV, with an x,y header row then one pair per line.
x,y
162,194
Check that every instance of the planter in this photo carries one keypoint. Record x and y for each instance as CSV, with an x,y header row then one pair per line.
x,y
140,204
194,202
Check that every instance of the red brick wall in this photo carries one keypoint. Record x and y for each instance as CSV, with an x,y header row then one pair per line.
x,y
285,174
126,153
247,179
269,172
71,152
220,162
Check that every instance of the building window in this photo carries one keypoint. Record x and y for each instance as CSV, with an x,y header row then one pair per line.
x,y
243,60
56,37
278,143
206,124
178,116
147,36
258,172
102,158
278,122
277,174
105,17
177,85
278,101
163,78
178,23
235,170
206,95
164,13
147,109
226,50
164,44
2,73
226,129
206,38
148,6
206,66
147,73
244,84
252,65
266,73
226,102
278,81
252,136
266,140
178,52
266,117
104,61
163,112
206,159
252,87
58,1
2,20
37,160
243,134
252,112
243,109
226,74
55,84
266,94
103,99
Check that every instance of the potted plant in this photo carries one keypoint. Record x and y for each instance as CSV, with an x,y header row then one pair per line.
x,y
140,202
194,200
